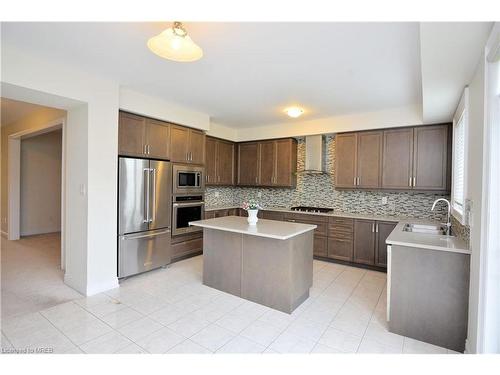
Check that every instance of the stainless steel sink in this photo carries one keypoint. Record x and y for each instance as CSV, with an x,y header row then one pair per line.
x,y
438,229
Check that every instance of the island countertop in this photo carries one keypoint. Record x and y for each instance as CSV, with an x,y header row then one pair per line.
x,y
279,230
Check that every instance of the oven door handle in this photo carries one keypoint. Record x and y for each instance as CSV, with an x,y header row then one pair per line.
x,y
188,204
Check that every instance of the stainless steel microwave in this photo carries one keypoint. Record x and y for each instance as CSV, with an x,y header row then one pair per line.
x,y
188,179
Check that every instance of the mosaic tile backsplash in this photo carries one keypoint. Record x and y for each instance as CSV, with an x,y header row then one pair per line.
x,y
319,190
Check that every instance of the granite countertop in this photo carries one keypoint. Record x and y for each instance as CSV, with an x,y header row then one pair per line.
x,y
279,230
426,241
397,236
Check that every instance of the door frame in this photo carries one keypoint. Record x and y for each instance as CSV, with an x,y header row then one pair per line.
x,y
14,179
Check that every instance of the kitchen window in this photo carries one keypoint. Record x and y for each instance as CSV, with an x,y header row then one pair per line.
x,y
459,171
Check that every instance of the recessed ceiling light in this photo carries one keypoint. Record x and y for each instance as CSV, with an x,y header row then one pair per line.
x,y
175,44
294,111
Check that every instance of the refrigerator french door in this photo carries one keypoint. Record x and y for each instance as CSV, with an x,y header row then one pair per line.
x,y
144,224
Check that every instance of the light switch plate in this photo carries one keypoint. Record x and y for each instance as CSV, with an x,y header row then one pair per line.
x,y
384,200
217,194
259,194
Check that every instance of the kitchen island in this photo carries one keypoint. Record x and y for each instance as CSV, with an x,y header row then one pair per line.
x,y
270,263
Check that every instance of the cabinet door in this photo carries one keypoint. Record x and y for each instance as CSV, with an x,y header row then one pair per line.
x,y
209,214
320,246
221,213
273,215
179,144
158,139
225,163
196,147
340,248
210,161
397,159
430,153
364,241
383,229
345,160
369,158
286,163
248,163
131,135
267,158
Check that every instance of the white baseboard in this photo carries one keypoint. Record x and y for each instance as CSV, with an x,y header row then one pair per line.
x,y
90,290
102,287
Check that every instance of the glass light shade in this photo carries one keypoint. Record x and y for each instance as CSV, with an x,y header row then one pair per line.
x,y
294,112
172,46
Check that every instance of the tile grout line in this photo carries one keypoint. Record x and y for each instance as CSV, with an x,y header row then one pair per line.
x,y
371,316
272,342
347,299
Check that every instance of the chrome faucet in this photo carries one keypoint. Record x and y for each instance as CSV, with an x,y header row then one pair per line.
x,y
448,218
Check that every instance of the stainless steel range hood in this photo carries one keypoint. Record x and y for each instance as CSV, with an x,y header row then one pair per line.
x,y
314,155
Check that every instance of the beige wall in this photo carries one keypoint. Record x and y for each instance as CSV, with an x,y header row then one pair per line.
x,y
33,121
41,158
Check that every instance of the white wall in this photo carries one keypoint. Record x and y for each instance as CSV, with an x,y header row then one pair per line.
x,y
41,158
91,169
147,105
395,117
474,193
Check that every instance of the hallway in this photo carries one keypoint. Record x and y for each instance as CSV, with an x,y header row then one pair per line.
x,y
31,278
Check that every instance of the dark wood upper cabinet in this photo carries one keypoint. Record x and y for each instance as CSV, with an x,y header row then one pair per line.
x,y
187,145
248,164
210,161
219,162
225,163
196,146
345,160
369,159
275,164
286,163
364,241
157,139
179,143
397,159
140,136
267,165
131,135
430,158
382,230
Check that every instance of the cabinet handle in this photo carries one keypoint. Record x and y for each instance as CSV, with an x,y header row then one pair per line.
x,y
376,228
218,178
409,182
414,181
373,227
359,178
256,180
354,181
149,149
340,240
144,150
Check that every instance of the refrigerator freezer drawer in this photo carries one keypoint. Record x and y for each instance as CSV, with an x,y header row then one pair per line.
x,y
140,252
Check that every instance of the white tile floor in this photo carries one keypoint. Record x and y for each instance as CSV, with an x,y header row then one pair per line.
x,y
170,311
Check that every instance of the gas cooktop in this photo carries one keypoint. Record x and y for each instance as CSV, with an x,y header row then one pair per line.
x,y
322,210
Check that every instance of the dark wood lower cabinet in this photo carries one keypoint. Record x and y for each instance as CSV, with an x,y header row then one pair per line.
x,y
383,229
340,248
187,245
320,246
364,241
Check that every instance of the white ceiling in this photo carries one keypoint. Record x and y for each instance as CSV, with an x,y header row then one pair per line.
x,y
251,71
13,110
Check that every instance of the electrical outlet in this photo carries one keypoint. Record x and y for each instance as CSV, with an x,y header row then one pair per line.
x,y
384,200
217,194
259,194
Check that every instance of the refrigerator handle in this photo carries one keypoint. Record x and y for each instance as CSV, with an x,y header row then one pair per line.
x,y
153,198
146,195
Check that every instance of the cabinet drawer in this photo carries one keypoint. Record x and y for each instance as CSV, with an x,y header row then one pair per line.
x,y
333,229
322,227
341,249
342,221
187,247
273,215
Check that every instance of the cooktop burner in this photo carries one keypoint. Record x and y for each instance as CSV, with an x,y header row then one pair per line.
x,y
312,209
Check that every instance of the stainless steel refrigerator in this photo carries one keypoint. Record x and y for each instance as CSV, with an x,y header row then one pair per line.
x,y
144,201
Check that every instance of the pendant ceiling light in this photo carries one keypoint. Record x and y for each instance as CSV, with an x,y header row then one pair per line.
x,y
175,44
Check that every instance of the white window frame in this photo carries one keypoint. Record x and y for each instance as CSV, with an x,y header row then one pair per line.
x,y
462,110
